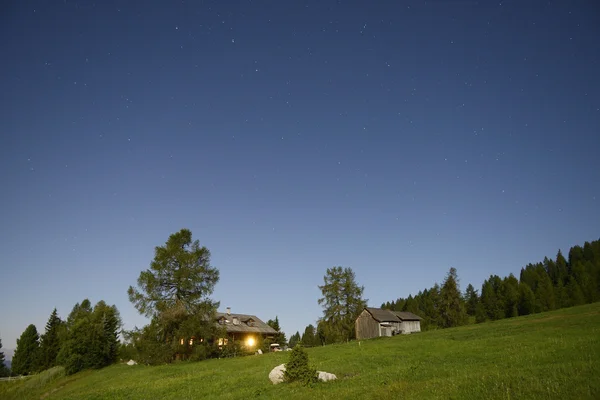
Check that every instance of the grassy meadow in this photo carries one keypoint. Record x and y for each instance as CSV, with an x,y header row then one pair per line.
x,y
551,355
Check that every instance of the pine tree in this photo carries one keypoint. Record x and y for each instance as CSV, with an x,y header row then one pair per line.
x,y
491,298
4,371
26,358
92,337
279,336
510,293
526,299
451,303
562,269
50,341
471,300
544,294
294,339
309,337
574,293
342,303
175,290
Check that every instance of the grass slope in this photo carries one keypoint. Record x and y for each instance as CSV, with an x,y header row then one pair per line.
x,y
549,355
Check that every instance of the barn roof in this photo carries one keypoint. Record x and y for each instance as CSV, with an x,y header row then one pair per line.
x,y
382,315
407,316
242,323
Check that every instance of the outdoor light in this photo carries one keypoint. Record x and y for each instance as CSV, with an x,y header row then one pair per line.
x,y
250,342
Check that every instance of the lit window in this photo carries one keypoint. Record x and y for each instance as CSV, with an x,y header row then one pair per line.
x,y
181,341
191,341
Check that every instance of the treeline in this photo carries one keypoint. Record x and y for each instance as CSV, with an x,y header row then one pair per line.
x,y
87,339
547,285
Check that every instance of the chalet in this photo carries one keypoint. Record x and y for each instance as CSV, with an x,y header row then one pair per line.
x,y
242,328
375,322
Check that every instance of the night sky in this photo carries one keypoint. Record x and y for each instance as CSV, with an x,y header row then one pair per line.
x,y
398,138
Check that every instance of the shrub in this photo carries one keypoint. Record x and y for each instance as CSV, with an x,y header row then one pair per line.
x,y
297,368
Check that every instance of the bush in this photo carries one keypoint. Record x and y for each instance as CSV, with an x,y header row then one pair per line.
x,y
297,368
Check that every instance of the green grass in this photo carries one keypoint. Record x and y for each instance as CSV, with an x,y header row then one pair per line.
x,y
550,355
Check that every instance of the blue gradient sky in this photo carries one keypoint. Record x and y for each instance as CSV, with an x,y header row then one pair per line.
x,y
397,138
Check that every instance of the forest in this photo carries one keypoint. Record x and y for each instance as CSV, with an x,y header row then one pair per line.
x,y
547,285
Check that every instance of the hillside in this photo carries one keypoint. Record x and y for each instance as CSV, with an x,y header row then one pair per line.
x,y
548,355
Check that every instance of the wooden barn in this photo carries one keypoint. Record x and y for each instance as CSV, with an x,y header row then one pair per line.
x,y
375,322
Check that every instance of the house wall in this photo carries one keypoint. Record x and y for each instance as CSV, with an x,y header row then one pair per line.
x,y
366,327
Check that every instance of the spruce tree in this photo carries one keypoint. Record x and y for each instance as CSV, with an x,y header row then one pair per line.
x,y
452,309
4,371
50,341
294,339
510,294
309,337
562,269
526,299
544,294
471,299
574,293
26,358
279,336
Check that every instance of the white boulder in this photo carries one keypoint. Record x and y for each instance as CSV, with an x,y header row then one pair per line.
x,y
131,362
276,374
326,376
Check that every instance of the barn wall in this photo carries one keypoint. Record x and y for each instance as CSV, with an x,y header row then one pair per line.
x,y
411,326
366,327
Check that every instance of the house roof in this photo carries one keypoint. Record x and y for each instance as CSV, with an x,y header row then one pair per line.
x,y
245,323
382,315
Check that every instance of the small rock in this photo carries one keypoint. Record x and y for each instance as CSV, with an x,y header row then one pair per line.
x,y
131,362
326,376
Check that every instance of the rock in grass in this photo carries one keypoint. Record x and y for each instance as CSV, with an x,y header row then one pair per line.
x,y
326,376
276,374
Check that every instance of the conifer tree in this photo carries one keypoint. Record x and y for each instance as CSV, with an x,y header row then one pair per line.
x,y
280,336
26,358
4,371
309,337
50,341
544,294
562,269
574,293
471,300
175,291
342,303
294,339
526,299
510,294
452,309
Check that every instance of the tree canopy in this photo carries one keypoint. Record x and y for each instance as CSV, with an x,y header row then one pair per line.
x,y
25,359
342,302
174,292
180,278
50,341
